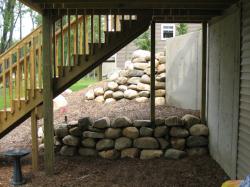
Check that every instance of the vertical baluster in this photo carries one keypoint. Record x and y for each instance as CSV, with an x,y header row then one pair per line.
x,y
10,85
115,23
62,43
99,31
107,28
4,88
25,71
92,33
81,35
54,48
18,77
69,64
86,35
32,69
39,62
76,40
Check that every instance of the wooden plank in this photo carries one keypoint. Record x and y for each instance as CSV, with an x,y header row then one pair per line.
x,y
204,73
48,95
152,82
34,141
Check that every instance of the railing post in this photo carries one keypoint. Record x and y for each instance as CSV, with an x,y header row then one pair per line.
x,y
48,93
34,140
152,84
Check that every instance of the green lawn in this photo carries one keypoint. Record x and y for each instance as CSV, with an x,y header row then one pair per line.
x,y
83,83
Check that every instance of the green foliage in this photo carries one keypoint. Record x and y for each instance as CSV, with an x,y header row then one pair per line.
x,y
144,41
182,28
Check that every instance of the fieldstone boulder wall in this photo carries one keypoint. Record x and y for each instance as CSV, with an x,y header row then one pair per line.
x,y
133,82
172,138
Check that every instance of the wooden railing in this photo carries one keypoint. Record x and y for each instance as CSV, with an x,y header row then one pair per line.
x,y
21,65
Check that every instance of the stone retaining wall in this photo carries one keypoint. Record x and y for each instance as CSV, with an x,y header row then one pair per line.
x,y
172,138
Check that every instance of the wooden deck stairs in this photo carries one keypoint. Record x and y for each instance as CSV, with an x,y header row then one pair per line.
x,y
79,46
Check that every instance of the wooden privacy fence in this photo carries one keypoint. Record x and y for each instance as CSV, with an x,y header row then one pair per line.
x,y
21,66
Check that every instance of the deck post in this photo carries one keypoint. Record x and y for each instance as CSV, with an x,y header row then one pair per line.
x,y
152,84
204,73
100,72
34,141
48,93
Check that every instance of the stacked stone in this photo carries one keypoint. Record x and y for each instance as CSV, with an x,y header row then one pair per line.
x,y
134,81
172,138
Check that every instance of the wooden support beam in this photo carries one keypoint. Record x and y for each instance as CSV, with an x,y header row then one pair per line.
x,y
152,84
34,141
48,94
100,72
203,73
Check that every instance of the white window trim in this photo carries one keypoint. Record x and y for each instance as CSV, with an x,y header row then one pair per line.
x,y
166,24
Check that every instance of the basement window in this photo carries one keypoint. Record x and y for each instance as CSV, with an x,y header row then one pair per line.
x,y
167,31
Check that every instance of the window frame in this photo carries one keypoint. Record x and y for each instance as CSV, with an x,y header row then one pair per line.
x,y
162,29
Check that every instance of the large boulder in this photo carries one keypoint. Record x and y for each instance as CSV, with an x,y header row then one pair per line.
x,y
143,87
161,68
179,132
121,80
71,140
159,101
118,95
121,122
146,131
108,94
84,123
90,134
145,79
61,130
132,87
102,123
130,153
160,131
150,154
105,144
174,154
173,121
122,88
113,133
164,144
141,66
122,143
197,141
161,77
90,95
146,143
135,73
160,85
199,130
134,80
68,150
178,143
99,99
141,99
88,142
162,59
141,54
130,132
109,100
98,91
75,131
113,86
190,120
160,93
142,123
110,154
130,94
87,152
144,93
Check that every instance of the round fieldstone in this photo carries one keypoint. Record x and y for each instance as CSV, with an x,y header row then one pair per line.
x,y
87,152
146,131
61,130
173,121
197,141
113,133
141,66
145,79
109,100
71,140
121,122
174,154
143,87
161,68
190,120
108,94
121,80
112,86
144,94
159,121
160,131
197,151
160,93
179,132
142,123
102,123
110,154
178,143
118,95
84,123
164,144
130,132
130,153
105,144
122,143
130,94
134,80
159,85
161,77
139,60
162,59
132,87
90,95
199,130
159,101
68,150
89,134
75,131
135,73
150,154
93,129
141,99
98,91
146,143
99,99
122,88
89,142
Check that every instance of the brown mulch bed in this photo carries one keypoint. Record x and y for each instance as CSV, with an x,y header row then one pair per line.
x,y
97,172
